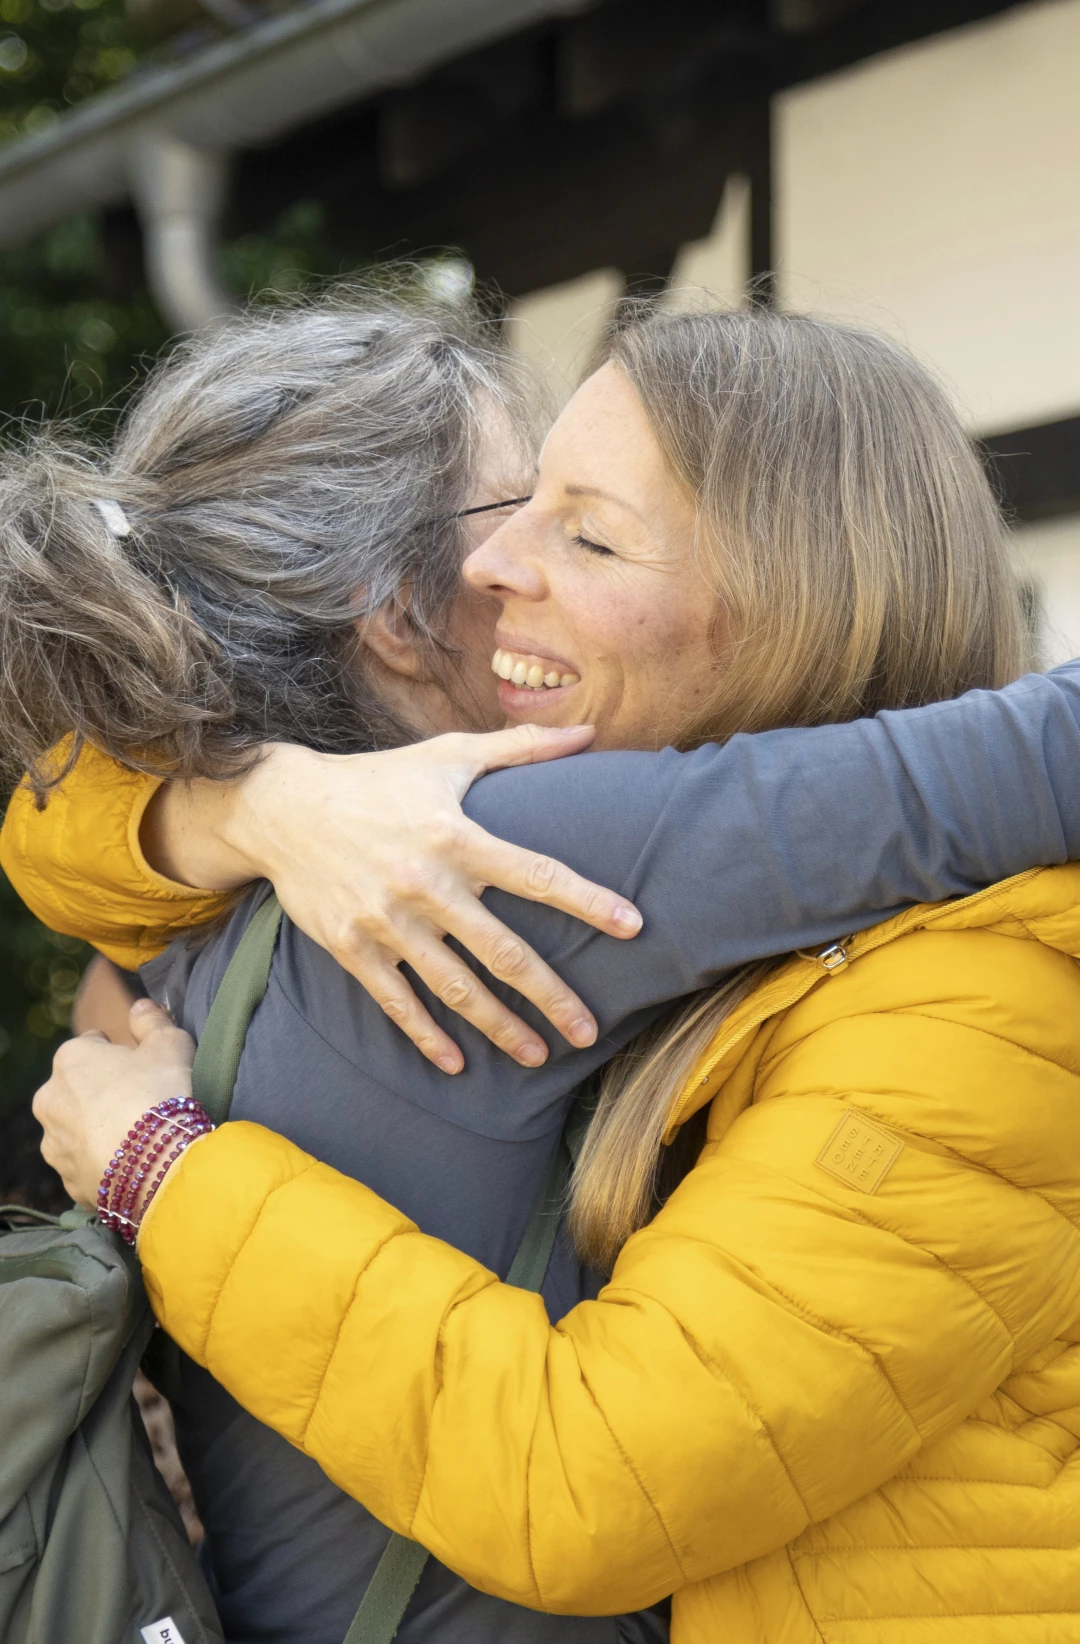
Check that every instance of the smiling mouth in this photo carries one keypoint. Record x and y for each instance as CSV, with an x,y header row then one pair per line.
x,y
529,676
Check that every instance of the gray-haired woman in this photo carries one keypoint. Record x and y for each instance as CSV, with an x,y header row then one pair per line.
x,y
290,1554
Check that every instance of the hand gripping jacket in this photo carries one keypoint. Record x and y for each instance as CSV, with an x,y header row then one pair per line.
x,y
831,1394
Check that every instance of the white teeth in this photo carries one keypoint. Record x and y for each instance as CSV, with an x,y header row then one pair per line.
x,y
531,675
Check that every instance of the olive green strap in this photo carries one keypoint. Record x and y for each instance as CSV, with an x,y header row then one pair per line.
x,y
538,1240
399,1570
7,1211
221,1043
388,1592
213,1076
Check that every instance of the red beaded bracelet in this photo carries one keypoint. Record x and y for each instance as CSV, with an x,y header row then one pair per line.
x,y
145,1153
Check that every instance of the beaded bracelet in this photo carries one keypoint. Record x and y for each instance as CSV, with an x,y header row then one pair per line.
x,y
146,1149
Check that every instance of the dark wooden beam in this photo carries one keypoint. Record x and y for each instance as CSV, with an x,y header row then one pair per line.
x,y
875,26
540,201
599,140
1037,470
424,132
808,16
631,49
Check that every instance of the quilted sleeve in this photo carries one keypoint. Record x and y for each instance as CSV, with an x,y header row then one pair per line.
x,y
78,865
783,1337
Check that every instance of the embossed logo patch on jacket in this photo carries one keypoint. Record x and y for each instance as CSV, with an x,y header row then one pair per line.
x,y
859,1154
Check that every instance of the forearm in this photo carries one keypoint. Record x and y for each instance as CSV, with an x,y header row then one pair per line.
x,y
936,801
625,1458
792,838
127,861
343,1360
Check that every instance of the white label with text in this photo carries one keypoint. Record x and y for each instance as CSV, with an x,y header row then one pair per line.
x,y
164,1631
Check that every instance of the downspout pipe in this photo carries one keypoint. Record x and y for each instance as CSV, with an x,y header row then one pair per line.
x,y
179,192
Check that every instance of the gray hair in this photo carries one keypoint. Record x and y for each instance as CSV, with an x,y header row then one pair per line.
x,y
282,478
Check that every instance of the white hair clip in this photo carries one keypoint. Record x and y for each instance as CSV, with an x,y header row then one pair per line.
x,y
116,521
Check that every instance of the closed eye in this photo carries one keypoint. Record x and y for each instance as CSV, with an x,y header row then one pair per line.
x,y
593,547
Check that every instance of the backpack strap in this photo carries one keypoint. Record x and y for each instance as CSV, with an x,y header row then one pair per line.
x,y
213,1077
398,1572
221,1043
13,1213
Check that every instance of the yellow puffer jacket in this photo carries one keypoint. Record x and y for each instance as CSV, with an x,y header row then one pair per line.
x,y
78,864
831,1394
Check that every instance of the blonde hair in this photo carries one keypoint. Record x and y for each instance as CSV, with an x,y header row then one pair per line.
x,y
860,563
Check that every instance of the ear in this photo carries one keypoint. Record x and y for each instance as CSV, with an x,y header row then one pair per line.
x,y
390,636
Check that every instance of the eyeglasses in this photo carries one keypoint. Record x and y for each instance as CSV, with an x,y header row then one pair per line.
x,y
490,507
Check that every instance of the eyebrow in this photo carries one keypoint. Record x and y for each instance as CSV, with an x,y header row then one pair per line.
x,y
608,496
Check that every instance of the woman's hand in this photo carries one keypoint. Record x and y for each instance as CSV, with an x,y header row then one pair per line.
x,y
98,1090
372,856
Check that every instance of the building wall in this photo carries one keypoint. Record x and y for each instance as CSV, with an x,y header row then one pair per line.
x,y
557,329
934,193
1048,559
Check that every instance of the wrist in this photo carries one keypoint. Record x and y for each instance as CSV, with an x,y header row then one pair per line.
x,y
174,1172
139,1166
188,835
249,820
236,818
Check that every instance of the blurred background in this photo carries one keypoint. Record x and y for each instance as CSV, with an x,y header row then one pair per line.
x,y
913,164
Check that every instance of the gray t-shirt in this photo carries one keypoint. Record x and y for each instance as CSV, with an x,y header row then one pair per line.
x,y
773,842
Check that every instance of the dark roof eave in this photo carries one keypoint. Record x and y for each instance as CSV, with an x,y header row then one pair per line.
x,y
246,91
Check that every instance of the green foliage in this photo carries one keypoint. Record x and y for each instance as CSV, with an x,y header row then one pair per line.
x,y
39,973
68,342
295,256
56,53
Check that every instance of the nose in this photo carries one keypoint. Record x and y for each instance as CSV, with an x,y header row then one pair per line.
x,y
507,565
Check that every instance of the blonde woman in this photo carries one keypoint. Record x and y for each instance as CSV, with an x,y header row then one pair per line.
x,y
818,1395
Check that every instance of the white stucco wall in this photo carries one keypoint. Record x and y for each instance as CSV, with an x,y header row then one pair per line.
x,y
1048,556
556,329
716,268
935,191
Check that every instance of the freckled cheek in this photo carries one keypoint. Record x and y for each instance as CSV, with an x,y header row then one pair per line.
x,y
595,623
671,665
664,639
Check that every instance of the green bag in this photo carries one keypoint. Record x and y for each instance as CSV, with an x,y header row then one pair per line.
x,y
213,1078
92,1548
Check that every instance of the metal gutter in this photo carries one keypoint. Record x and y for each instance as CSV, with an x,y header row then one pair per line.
x,y
180,192
244,92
